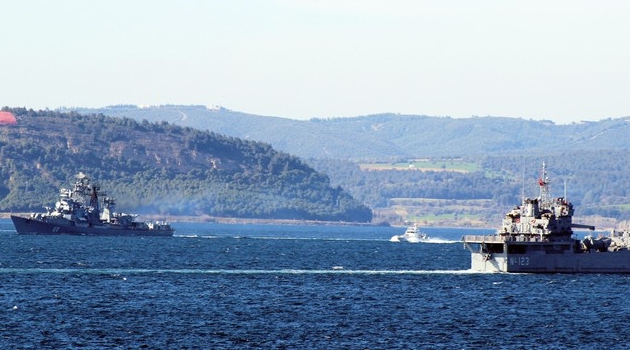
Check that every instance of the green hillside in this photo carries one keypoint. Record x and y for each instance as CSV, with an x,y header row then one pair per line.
x,y
392,137
162,168
478,191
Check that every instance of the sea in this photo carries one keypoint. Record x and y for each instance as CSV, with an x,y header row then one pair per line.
x,y
237,286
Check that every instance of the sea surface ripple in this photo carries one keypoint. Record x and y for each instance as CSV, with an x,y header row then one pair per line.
x,y
218,286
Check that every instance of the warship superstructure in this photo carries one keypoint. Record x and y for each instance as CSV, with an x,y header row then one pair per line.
x,y
85,210
538,237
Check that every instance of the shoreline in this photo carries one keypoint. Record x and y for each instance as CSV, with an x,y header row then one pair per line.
x,y
604,226
254,221
230,220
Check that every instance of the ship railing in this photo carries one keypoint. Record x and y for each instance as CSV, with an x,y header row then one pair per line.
x,y
483,238
500,239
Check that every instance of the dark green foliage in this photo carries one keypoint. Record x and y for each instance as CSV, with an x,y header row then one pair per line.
x,y
378,186
597,181
161,168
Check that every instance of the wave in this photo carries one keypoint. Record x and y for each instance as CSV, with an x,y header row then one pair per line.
x,y
333,239
338,270
193,235
276,238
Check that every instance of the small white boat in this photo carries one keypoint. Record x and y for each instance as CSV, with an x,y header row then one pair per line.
x,y
412,234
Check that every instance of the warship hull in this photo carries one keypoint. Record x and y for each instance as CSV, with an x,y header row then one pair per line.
x,y
61,226
506,254
609,262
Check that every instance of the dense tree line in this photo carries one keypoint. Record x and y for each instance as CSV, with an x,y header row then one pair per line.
x,y
162,168
597,181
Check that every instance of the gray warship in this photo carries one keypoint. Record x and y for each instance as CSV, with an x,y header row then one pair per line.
x,y
538,237
85,210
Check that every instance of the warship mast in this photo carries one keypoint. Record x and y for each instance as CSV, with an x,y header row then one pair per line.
x,y
543,182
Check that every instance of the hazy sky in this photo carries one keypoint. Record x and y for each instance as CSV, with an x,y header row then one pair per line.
x,y
541,59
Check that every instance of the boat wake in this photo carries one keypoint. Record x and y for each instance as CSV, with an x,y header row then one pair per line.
x,y
426,240
440,241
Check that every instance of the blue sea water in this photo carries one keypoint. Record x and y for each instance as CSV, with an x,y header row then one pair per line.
x,y
218,286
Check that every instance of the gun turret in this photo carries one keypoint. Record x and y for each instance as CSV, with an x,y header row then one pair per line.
x,y
592,228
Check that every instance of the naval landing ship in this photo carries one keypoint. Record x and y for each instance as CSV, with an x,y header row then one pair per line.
x,y
537,237
85,210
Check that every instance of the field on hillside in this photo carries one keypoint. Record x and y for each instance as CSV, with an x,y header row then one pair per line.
x,y
424,165
440,212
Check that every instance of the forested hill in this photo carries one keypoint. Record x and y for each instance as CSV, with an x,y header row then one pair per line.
x,y
392,136
161,168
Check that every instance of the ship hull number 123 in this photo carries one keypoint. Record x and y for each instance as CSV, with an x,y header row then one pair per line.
x,y
519,261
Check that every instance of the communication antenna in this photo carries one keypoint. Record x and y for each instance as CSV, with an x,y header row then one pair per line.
x,y
543,182
565,189
523,184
